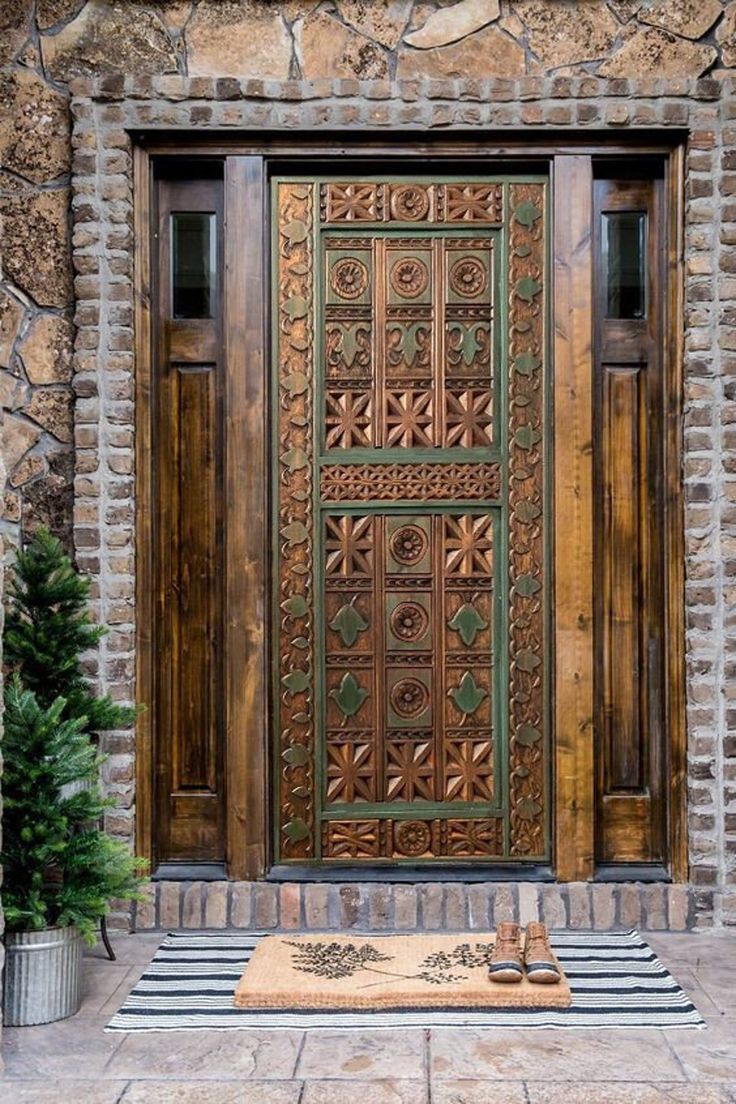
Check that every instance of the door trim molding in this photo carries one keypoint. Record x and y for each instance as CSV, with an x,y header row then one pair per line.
x,y
246,587
248,759
144,596
572,321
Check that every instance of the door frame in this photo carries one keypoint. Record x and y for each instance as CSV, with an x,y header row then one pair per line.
x,y
247,738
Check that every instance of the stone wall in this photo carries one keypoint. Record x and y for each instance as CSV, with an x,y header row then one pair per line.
x,y
66,336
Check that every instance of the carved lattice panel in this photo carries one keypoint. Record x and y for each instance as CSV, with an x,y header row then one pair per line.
x,y
410,513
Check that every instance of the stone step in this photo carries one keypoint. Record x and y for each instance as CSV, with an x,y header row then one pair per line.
x,y
452,906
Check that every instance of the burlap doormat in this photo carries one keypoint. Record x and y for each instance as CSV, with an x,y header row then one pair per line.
x,y
378,972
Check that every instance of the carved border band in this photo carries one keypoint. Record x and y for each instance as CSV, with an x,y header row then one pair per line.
x,y
394,482
461,838
458,204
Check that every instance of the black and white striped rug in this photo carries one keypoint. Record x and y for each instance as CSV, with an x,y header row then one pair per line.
x,y
616,981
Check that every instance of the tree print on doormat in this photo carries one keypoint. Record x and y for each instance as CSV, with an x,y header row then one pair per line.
x,y
342,960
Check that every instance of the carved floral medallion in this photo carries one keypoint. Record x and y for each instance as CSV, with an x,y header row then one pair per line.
x,y
349,278
409,277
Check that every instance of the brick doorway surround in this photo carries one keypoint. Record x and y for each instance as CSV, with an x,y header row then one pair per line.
x,y
108,115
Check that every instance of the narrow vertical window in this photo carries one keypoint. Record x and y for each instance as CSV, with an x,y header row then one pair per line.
x,y
192,263
623,242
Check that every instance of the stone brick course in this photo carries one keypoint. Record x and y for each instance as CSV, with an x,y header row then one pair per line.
x,y
427,906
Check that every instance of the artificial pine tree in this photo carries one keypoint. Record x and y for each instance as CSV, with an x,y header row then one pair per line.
x,y
59,866
47,629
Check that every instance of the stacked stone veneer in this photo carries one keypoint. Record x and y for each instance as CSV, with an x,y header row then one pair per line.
x,y
417,65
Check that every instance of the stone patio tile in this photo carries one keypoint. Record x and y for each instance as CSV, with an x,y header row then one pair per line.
x,y
702,1000
720,985
115,1000
216,1092
625,1093
363,1055
567,1055
371,1092
691,948
100,980
73,1049
54,1092
708,1055
478,1092
212,1055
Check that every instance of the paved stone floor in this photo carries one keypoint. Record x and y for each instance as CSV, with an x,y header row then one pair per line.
x,y
74,1062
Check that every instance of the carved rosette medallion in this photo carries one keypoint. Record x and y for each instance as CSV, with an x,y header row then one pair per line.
x,y
409,697
349,278
409,202
409,277
408,544
409,621
468,277
527,813
412,837
295,447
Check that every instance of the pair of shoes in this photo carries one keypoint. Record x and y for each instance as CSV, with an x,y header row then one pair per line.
x,y
508,963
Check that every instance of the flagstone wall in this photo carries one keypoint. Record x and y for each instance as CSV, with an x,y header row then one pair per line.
x,y
66,339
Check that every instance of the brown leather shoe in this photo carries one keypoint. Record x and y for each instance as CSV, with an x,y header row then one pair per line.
x,y
538,958
506,954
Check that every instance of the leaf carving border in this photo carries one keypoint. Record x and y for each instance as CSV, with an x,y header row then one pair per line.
x,y
527,658
296,708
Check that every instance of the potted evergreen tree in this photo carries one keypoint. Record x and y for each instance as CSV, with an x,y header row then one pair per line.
x,y
61,869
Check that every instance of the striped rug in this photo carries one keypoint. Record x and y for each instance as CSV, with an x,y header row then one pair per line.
x,y
616,981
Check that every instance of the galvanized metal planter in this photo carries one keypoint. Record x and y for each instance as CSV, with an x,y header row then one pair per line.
x,y
43,976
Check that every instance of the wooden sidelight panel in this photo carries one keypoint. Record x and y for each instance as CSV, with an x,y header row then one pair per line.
x,y
573,475
630,571
187,405
412,598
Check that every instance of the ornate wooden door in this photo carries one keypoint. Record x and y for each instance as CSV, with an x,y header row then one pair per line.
x,y
411,588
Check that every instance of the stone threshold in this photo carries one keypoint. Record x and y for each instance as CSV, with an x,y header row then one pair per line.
x,y
427,906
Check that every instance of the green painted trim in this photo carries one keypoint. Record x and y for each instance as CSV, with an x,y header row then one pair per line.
x,y
318,565
497,861
501,579
416,810
477,454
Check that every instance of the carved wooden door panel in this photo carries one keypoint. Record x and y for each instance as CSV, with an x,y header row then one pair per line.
x,y
410,474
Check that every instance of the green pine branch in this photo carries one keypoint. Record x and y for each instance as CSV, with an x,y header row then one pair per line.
x,y
48,628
